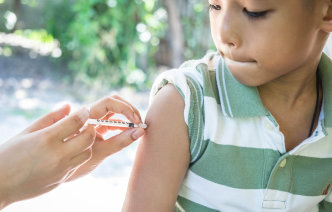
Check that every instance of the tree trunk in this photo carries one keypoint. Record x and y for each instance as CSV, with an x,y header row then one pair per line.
x,y
176,39
16,11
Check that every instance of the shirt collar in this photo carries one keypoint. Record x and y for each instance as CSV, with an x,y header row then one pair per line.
x,y
325,72
238,100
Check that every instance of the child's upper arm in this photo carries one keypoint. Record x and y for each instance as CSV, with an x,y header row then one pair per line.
x,y
163,156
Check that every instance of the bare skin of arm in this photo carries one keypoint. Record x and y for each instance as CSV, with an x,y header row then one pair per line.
x,y
162,158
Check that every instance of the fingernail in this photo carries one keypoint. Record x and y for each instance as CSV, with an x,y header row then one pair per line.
x,y
83,114
137,133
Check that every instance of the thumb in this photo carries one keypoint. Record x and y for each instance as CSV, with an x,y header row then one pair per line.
x,y
123,139
49,119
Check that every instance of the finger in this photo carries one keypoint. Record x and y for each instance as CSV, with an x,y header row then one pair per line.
x,y
112,105
103,129
123,139
99,136
71,124
81,142
81,158
49,119
128,103
108,128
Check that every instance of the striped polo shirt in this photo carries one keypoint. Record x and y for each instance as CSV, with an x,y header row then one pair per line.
x,y
239,162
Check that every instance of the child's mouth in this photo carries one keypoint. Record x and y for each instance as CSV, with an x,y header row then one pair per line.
x,y
236,59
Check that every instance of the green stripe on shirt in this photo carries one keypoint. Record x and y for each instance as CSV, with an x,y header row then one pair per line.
x,y
191,206
251,168
325,206
237,167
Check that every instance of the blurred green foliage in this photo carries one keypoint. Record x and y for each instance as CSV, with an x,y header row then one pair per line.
x,y
36,35
195,22
107,39
114,42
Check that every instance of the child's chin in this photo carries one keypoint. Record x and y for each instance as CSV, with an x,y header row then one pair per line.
x,y
248,81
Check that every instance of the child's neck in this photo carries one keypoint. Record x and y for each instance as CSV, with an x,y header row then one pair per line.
x,y
288,92
292,102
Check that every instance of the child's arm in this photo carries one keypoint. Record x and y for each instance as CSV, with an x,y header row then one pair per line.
x,y
162,157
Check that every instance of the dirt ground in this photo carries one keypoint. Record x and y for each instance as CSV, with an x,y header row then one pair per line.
x,y
31,87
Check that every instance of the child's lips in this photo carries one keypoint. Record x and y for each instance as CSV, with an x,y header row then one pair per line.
x,y
238,61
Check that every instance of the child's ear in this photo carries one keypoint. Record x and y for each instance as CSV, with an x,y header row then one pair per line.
x,y
327,20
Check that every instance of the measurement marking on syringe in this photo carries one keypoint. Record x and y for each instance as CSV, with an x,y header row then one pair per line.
x,y
112,123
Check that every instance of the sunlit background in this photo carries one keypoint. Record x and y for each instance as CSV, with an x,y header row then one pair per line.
x,y
75,51
53,52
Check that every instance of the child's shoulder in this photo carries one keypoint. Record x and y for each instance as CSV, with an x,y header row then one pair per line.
x,y
193,81
210,60
191,73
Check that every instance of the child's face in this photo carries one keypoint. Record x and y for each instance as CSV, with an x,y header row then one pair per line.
x,y
262,40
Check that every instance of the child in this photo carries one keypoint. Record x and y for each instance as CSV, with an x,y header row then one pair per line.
x,y
248,128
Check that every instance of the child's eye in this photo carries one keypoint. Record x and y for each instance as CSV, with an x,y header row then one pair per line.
x,y
255,14
214,7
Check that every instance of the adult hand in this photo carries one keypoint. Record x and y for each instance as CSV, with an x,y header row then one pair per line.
x,y
101,149
57,148
44,155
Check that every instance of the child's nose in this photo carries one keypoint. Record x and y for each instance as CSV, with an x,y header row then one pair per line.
x,y
229,30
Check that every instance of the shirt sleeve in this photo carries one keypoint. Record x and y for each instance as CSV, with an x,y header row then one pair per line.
x,y
192,94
